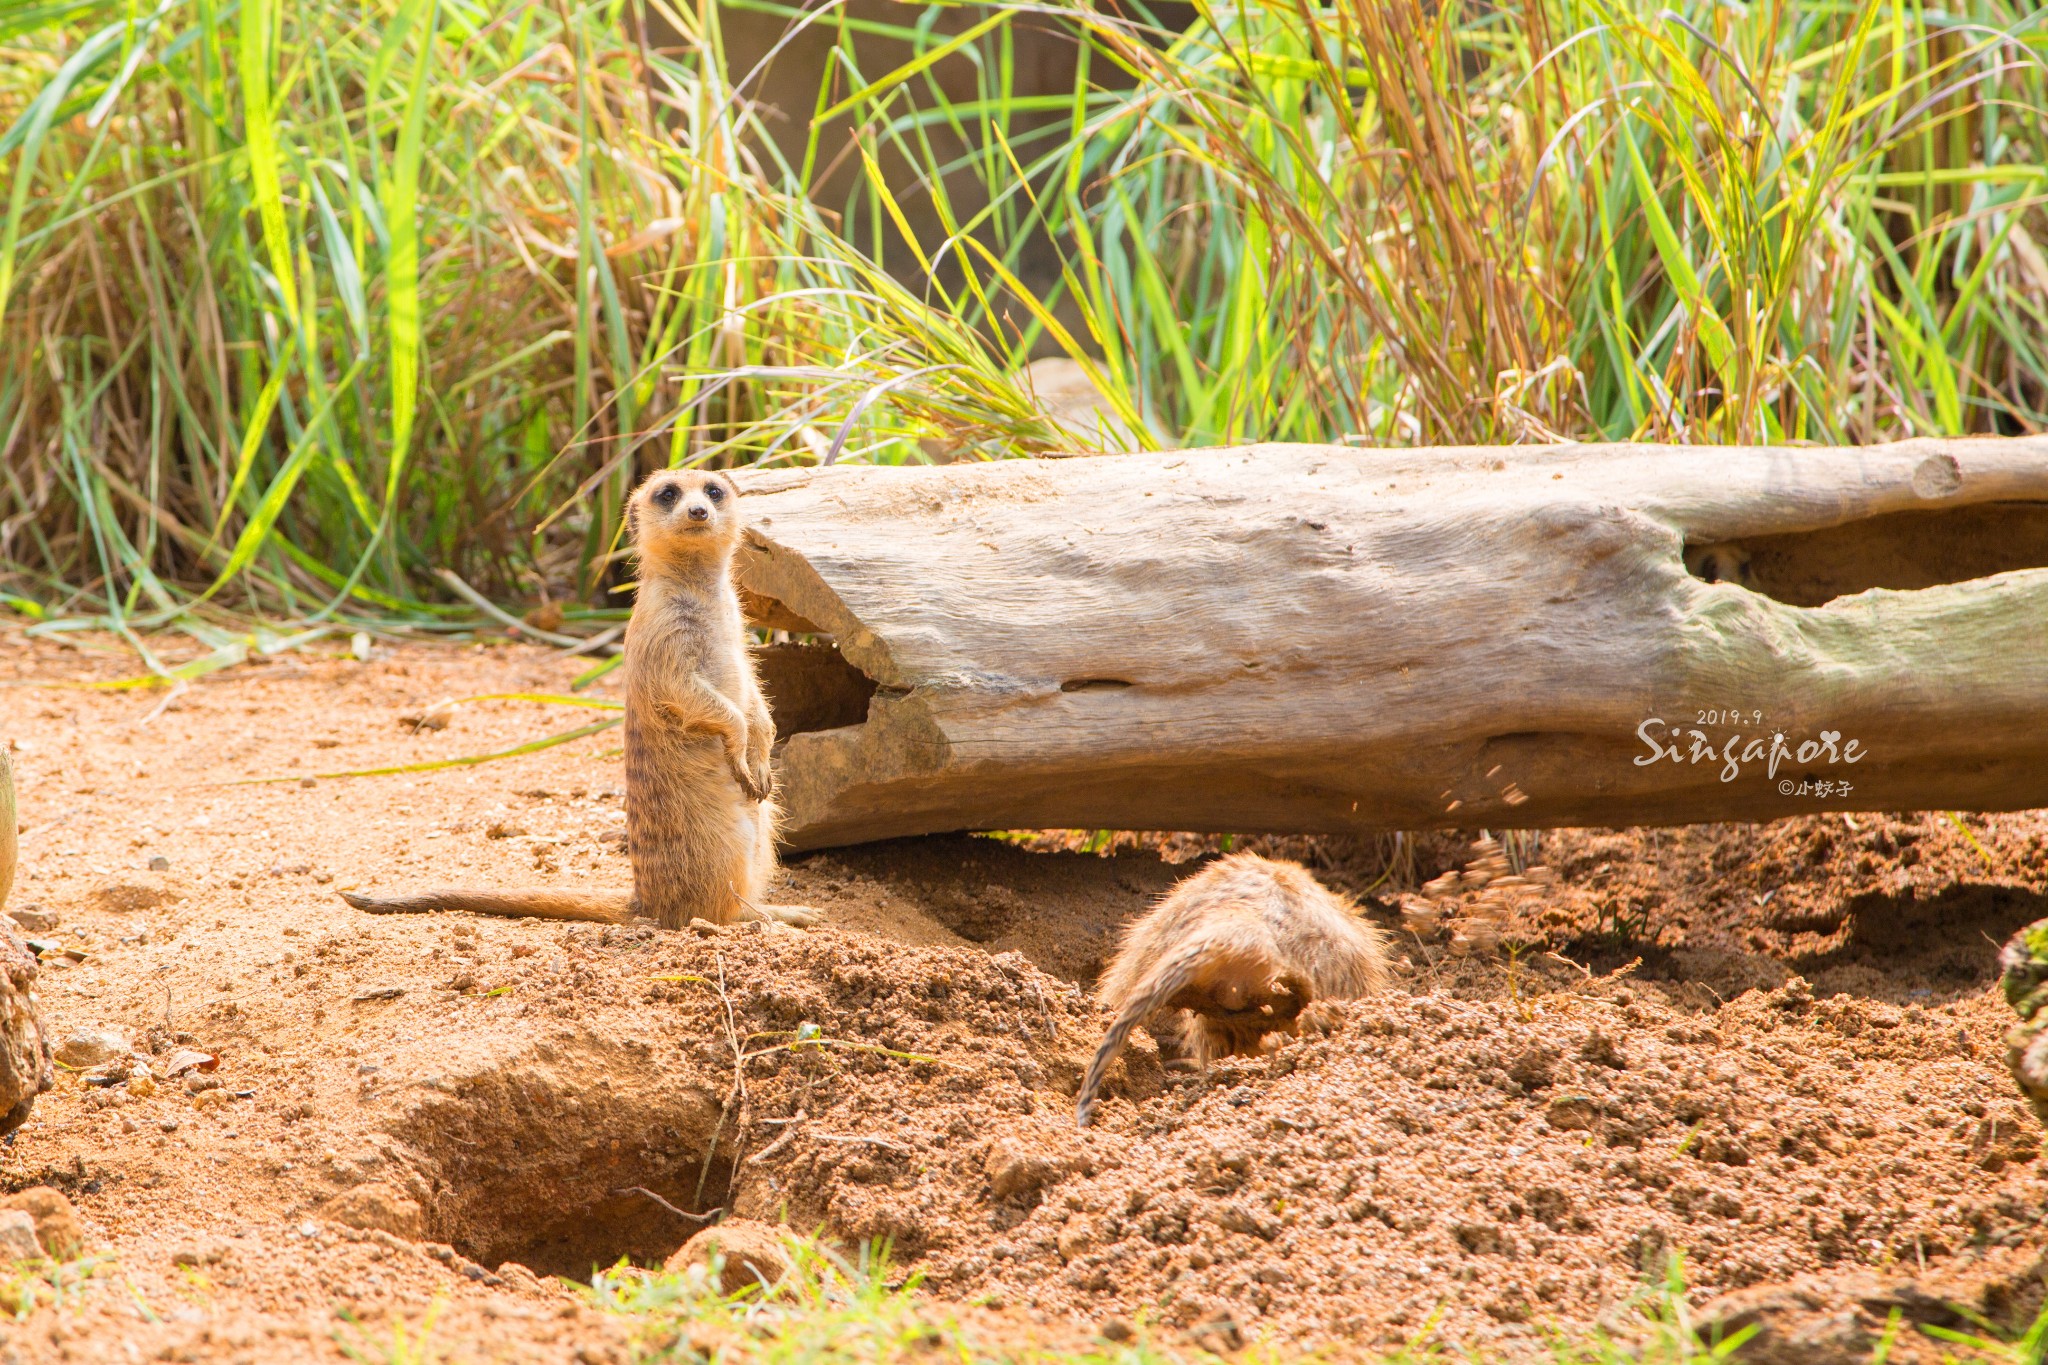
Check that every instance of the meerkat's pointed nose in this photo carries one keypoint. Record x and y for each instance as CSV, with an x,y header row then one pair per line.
x,y
700,512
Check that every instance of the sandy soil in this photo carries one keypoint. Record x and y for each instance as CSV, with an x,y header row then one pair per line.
x,y
1776,1048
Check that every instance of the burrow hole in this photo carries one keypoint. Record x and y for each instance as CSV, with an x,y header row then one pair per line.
x,y
543,1161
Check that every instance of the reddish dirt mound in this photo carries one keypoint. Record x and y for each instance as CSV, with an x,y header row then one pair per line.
x,y
1776,1049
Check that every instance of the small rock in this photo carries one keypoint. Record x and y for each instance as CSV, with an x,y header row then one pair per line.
x,y
35,919
753,1253
213,1099
1115,1329
58,1230
502,830
309,782
18,1236
433,718
463,983
95,1045
159,863
196,1084
377,1207
142,1085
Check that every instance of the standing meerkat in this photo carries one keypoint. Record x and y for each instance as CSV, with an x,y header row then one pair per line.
x,y
700,827
1237,951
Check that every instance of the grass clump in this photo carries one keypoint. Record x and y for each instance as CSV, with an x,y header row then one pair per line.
x,y
302,304
831,1308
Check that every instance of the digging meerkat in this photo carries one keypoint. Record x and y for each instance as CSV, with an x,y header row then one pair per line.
x,y
1237,951
700,827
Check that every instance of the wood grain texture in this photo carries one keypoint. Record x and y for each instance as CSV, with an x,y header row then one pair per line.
x,y
1323,639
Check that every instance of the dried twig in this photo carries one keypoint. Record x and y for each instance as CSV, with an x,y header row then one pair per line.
x,y
858,1137
680,1213
739,1088
794,1122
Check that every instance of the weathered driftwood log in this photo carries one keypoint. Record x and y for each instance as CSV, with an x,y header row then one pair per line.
x,y
1323,639
25,1067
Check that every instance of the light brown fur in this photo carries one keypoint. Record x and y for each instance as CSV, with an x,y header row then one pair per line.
x,y
698,820
700,828
1235,952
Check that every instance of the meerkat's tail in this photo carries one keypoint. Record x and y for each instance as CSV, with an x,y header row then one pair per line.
x,y
531,902
1173,974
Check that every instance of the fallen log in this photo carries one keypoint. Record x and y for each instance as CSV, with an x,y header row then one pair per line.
x,y
1324,639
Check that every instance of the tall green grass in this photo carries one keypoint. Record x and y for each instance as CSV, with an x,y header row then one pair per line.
x,y
301,303
1403,222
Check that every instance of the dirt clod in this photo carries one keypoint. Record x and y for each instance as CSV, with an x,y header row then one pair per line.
x,y
18,1237
377,1207
752,1253
1020,1171
56,1222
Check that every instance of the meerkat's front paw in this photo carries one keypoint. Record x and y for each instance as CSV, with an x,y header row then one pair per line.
x,y
740,774
760,781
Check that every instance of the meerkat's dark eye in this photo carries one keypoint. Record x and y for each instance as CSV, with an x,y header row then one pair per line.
x,y
667,494
714,492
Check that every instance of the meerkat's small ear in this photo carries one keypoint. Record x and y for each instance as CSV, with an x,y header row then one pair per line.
x,y
633,523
